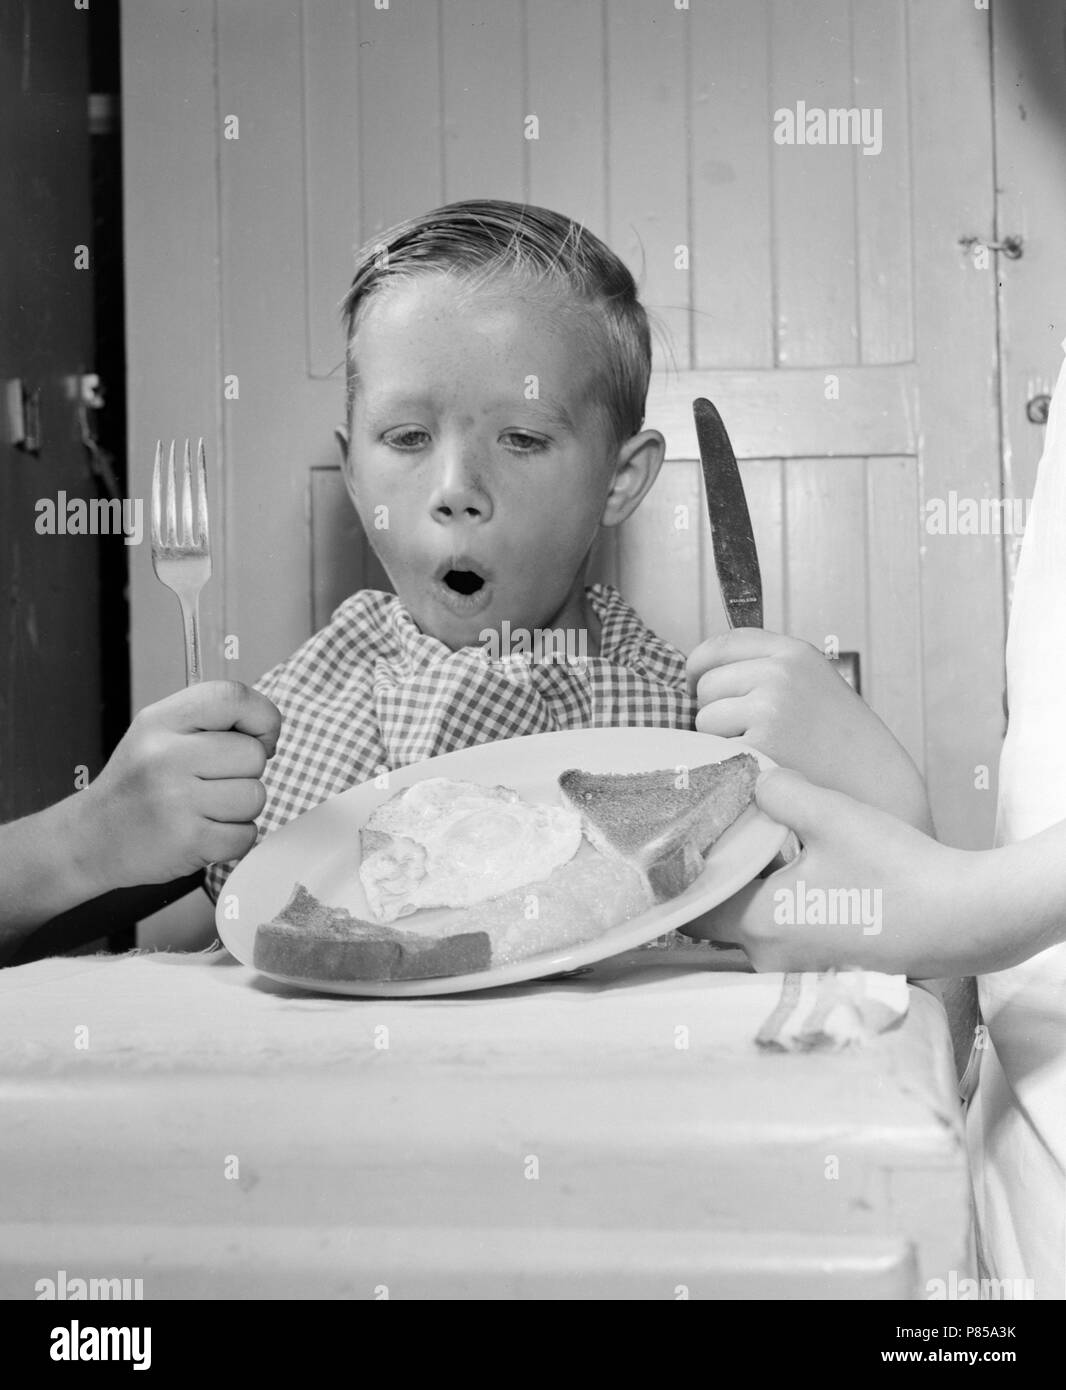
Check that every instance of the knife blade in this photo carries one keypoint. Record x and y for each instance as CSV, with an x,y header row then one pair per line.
x,y
735,556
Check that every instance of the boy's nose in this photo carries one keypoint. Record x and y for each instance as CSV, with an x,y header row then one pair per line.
x,y
459,493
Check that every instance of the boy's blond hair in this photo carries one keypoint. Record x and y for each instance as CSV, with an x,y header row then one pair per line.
x,y
485,240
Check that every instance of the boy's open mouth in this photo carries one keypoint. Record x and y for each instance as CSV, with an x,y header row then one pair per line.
x,y
461,576
463,581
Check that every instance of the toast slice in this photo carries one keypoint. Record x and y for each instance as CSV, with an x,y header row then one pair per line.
x,y
309,940
647,821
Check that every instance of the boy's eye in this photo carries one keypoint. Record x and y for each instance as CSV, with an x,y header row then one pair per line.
x,y
407,437
521,443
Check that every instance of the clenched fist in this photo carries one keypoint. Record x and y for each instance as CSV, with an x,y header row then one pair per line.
x,y
182,789
786,699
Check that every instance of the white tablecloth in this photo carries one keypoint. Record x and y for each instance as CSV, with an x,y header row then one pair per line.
x,y
181,1120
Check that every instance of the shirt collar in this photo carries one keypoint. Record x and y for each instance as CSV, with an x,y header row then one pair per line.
x,y
625,640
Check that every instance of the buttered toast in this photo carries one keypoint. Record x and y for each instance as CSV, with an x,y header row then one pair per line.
x,y
662,823
308,940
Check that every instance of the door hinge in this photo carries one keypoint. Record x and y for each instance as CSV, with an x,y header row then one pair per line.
x,y
1011,246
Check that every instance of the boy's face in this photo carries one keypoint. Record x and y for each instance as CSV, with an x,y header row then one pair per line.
x,y
478,461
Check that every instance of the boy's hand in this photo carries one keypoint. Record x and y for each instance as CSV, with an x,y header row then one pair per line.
x,y
785,698
181,790
901,902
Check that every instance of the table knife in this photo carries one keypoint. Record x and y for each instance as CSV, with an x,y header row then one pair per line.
x,y
735,556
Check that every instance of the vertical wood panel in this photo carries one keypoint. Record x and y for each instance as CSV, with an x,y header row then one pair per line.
x,y
1030,117
399,130
341,559
953,189
892,666
266,447
883,186
814,189
332,156
659,567
566,68
372,104
826,551
170,153
732,307
647,144
484,95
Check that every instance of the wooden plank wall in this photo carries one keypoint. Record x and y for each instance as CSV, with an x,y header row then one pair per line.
x,y
655,128
797,257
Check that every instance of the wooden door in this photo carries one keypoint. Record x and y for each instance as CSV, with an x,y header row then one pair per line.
x,y
818,294
1029,61
49,583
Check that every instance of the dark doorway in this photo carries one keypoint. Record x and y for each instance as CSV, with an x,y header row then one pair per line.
x,y
64,647
105,147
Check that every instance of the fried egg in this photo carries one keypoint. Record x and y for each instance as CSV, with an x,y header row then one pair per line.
x,y
444,843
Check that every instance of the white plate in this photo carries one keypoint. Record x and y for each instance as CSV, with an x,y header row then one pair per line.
x,y
320,849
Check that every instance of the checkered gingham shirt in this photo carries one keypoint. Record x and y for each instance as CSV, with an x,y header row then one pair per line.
x,y
371,693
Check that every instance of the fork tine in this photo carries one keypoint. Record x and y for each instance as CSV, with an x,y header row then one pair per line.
x,y
182,563
172,510
157,496
201,480
187,537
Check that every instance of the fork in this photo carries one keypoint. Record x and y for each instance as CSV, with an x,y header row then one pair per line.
x,y
184,565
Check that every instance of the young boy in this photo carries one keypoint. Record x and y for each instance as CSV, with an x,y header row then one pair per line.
x,y
498,361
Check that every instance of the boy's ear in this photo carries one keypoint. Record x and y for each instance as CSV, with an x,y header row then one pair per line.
x,y
340,433
636,468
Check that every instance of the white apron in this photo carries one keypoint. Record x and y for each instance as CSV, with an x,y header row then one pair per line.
x,y
1017,1117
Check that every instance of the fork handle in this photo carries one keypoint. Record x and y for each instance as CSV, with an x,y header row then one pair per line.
x,y
190,617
